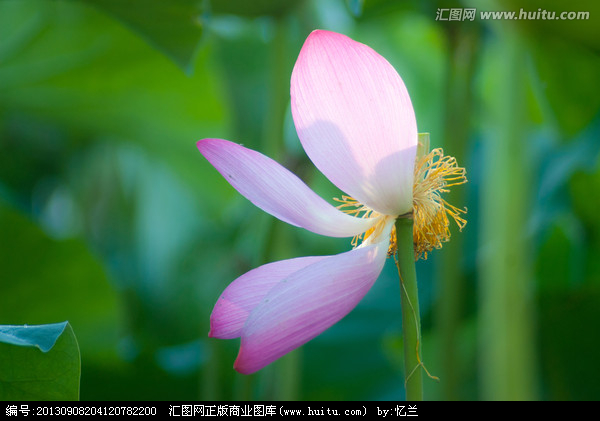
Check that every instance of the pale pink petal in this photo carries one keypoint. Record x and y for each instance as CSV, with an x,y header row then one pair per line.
x,y
277,191
246,292
306,303
355,120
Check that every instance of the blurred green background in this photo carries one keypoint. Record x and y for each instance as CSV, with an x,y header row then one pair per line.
x,y
111,219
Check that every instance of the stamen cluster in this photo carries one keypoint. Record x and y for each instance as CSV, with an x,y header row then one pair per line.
x,y
353,207
434,174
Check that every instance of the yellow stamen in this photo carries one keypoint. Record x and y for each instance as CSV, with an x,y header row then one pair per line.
x,y
434,174
353,207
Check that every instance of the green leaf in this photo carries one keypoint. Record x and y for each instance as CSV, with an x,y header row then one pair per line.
x,y
39,362
117,89
172,27
63,281
42,336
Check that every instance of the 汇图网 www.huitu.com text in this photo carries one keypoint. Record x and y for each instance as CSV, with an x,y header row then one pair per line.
x,y
462,14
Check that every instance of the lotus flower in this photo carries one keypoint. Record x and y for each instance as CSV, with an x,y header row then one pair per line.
x,y
356,122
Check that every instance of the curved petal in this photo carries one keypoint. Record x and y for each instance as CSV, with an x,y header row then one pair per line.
x,y
306,303
277,191
246,292
355,120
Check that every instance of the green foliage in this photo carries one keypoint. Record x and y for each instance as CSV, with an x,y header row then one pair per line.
x,y
173,27
53,279
39,362
112,220
254,9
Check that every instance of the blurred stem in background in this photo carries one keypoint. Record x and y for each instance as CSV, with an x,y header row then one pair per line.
x,y
279,90
463,43
411,320
210,386
507,362
280,381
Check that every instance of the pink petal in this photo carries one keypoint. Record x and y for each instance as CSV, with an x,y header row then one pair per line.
x,y
277,191
246,292
355,120
306,303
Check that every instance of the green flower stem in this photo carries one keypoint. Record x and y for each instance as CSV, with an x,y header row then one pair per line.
x,y
411,322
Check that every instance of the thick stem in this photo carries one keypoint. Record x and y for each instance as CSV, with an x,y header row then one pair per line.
x,y
450,308
411,322
507,330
